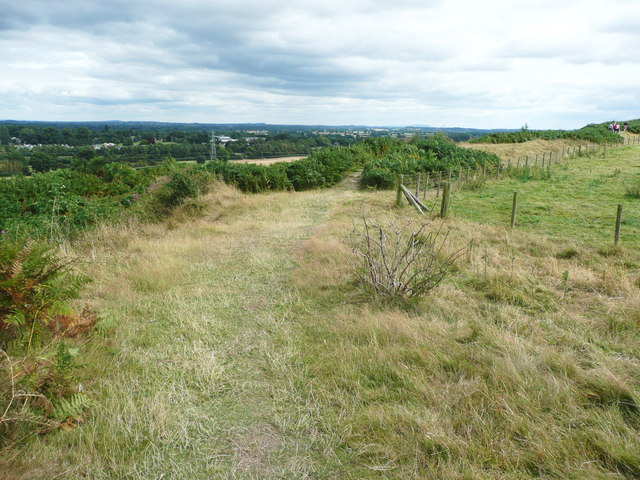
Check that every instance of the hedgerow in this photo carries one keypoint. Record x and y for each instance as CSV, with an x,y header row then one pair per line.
x,y
320,169
420,156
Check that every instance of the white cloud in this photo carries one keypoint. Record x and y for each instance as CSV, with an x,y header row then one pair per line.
x,y
485,64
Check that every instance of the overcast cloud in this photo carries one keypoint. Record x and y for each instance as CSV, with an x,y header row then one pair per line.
x,y
489,64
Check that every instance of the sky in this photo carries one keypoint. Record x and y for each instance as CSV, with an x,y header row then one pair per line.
x,y
442,63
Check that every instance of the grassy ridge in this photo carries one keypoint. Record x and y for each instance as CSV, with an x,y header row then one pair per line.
x,y
596,133
241,347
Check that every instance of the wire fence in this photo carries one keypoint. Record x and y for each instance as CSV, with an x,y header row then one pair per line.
x,y
415,187
420,183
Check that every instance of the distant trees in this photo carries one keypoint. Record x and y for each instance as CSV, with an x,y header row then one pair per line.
x,y
83,136
5,138
28,135
44,162
49,136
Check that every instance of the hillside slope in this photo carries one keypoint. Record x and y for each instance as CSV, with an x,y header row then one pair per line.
x,y
238,346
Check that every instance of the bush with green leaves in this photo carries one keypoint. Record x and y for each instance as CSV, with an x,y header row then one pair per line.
x,y
251,178
422,155
321,168
634,126
62,202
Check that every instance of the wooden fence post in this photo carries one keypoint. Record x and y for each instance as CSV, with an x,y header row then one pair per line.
x,y
616,239
444,206
399,181
426,186
418,185
514,208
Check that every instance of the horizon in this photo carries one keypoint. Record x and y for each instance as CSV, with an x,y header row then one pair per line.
x,y
306,125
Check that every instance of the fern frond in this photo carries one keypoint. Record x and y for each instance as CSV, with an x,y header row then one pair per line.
x,y
72,407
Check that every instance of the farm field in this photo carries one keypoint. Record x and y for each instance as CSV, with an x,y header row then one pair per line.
x,y
269,161
238,345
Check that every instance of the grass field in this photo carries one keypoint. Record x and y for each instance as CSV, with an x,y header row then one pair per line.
x,y
577,203
239,346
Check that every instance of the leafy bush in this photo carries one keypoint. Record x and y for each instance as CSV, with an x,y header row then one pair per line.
x,y
65,201
634,126
321,169
377,177
251,178
437,153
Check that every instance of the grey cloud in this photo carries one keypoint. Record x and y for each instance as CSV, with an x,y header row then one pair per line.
x,y
13,17
225,35
112,102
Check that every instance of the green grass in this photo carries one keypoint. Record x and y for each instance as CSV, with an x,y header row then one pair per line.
x,y
578,203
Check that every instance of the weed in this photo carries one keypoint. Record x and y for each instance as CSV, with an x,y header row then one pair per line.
x,y
399,262
633,192
611,251
567,253
35,288
564,282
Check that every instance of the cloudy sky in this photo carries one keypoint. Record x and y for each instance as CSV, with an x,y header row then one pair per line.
x,y
470,63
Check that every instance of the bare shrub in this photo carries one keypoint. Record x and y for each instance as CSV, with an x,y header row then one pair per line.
x,y
399,261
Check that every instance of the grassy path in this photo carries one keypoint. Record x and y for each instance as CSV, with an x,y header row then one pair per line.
x,y
199,381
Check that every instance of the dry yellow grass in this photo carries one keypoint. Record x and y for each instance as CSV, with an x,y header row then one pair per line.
x,y
513,151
